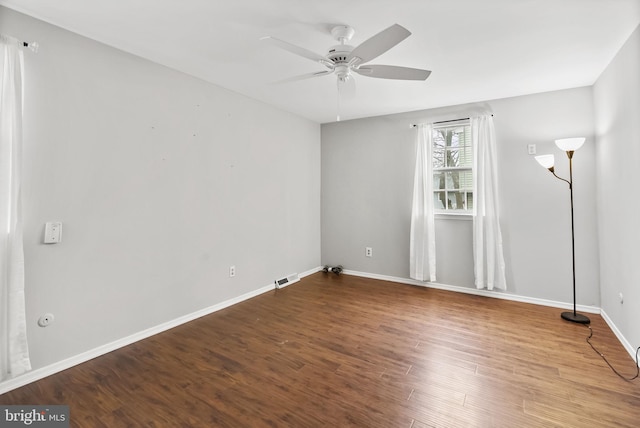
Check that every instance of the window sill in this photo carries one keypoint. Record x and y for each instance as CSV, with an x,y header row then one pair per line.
x,y
453,216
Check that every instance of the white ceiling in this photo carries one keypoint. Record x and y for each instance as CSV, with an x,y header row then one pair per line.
x,y
477,49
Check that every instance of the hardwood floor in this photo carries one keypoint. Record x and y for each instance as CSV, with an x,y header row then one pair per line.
x,y
346,351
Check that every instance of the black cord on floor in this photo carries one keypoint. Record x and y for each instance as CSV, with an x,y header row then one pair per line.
x,y
608,363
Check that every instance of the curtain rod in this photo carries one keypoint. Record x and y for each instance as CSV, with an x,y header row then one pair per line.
x,y
413,125
31,45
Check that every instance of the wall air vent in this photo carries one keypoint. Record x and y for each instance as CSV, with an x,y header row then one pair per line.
x,y
289,279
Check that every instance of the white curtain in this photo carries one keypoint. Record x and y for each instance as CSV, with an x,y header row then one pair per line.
x,y
422,251
489,267
14,352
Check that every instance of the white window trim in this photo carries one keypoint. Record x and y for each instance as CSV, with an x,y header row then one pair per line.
x,y
442,214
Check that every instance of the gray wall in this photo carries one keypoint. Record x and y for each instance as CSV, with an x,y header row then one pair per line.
x,y
367,179
162,181
617,100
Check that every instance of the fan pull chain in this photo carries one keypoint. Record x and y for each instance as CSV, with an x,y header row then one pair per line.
x,y
338,101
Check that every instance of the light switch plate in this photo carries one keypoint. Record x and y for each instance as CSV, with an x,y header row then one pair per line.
x,y
53,232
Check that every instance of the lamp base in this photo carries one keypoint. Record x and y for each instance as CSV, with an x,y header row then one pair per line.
x,y
575,317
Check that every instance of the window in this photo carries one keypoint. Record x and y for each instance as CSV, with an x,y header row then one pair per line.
x,y
453,167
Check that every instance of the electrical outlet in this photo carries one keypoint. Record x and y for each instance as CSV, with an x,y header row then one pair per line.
x,y
45,320
531,149
232,271
368,251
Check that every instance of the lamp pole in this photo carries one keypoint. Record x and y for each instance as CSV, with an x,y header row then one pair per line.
x,y
573,316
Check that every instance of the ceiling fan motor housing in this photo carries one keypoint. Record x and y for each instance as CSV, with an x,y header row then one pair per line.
x,y
339,53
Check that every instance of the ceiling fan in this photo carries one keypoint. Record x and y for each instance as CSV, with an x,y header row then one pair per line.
x,y
343,60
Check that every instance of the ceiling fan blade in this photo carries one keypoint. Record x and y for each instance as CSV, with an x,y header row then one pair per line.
x,y
393,72
379,44
297,50
303,77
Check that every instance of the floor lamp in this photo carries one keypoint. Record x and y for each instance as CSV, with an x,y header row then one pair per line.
x,y
569,145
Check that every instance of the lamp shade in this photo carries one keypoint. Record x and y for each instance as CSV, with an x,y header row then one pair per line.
x,y
570,144
546,161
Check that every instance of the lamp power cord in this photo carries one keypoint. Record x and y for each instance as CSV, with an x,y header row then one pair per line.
x,y
608,363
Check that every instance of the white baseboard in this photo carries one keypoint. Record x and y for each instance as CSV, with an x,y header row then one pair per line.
x,y
310,271
59,366
627,345
497,294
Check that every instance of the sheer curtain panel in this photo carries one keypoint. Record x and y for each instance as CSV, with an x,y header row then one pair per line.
x,y
14,352
489,267
422,251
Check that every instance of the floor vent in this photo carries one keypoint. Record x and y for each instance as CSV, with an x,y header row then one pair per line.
x,y
289,279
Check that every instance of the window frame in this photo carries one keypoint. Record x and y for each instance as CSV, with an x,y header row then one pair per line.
x,y
442,171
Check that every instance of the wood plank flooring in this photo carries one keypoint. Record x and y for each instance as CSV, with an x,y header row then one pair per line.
x,y
340,351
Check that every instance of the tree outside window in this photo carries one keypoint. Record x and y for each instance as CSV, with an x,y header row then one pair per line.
x,y
452,166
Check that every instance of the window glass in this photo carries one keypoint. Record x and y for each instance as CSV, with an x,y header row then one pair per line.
x,y
452,165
